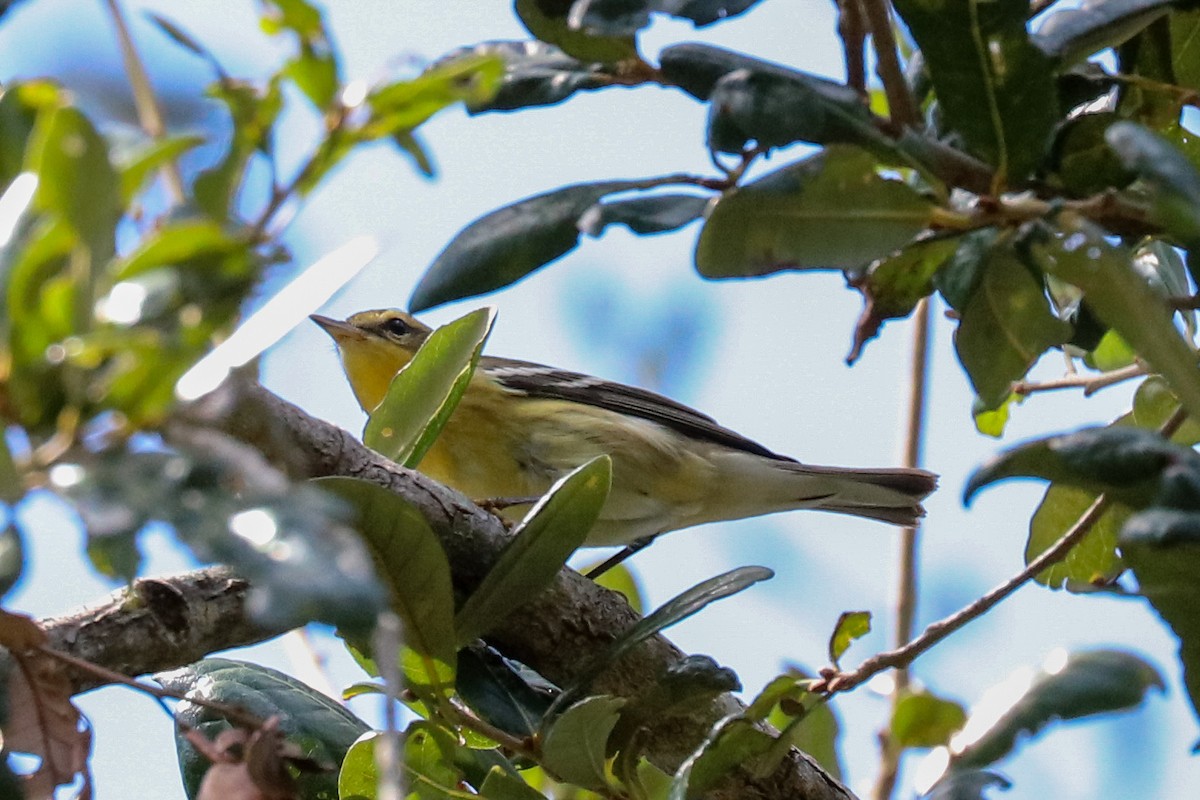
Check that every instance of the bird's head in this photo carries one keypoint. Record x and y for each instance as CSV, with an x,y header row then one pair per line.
x,y
374,346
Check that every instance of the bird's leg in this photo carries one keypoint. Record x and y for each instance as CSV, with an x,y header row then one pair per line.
x,y
620,556
494,505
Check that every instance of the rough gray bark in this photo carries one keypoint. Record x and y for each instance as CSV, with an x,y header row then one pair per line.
x,y
178,620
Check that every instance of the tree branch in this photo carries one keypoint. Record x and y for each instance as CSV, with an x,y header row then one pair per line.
x,y
558,633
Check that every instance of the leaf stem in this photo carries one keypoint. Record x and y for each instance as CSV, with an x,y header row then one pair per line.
x,y
1089,383
149,114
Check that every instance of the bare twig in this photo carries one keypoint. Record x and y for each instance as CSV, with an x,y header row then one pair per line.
x,y
906,592
149,114
901,106
854,38
1089,383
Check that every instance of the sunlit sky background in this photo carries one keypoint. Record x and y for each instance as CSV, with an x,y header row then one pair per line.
x,y
764,357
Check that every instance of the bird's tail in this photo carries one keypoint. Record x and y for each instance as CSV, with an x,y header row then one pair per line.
x,y
890,495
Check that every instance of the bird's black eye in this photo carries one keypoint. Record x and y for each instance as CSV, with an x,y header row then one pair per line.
x,y
396,326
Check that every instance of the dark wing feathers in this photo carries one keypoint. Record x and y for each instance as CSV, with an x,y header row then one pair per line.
x,y
536,380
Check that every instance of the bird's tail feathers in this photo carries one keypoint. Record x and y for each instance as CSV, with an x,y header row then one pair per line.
x,y
891,495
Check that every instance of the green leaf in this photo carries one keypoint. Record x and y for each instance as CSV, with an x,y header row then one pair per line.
x,y
547,20
178,242
1070,35
1162,547
622,580
1176,183
253,112
535,74
321,727
613,17
893,285
922,719
411,560
20,107
315,73
574,748
644,216
505,245
506,694
733,745
1125,463
552,530
1185,48
1078,253
851,625
138,170
12,557
426,391
427,765
500,785
1083,161
77,181
776,107
470,78
1006,325
678,608
1084,684
994,87
829,211
813,728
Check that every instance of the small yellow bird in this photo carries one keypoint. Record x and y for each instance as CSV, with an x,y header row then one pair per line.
x,y
521,426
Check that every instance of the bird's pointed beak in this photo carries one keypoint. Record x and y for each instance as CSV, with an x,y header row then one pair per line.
x,y
339,330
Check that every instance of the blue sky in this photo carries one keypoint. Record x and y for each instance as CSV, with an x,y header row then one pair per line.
x,y
764,357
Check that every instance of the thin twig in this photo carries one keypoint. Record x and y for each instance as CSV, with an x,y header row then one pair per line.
x,y
901,106
149,114
1089,383
937,631
231,713
853,34
906,592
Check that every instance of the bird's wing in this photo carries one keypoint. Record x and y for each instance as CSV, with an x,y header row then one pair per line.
x,y
536,380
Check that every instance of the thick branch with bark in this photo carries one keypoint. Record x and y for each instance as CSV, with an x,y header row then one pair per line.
x,y
164,623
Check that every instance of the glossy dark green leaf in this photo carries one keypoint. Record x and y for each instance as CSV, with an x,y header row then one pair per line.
x,y
893,285
644,216
471,78
994,87
682,688
1006,324
1176,182
736,744
425,393
1079,253
12,557
552,530
966,785
77,180
778,107
141,167
575,746
850,625
1162,547
321,727
614,17
1094,560
549,21
505,245
506,694
414,566
1082,159
678,608
1069,35
1123,462
1086,684
535,74
830,211
922,719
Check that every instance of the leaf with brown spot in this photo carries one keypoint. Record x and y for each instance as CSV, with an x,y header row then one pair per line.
x,y
42,722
